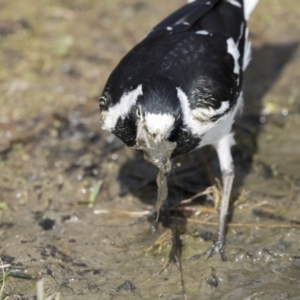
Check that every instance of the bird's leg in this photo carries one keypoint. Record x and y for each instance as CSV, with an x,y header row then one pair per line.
x,y
226,164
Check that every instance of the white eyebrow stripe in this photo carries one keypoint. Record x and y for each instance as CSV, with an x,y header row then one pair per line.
x,y
121,109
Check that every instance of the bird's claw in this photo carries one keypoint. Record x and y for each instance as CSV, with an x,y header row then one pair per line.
x,y
152,217
154,226
217,247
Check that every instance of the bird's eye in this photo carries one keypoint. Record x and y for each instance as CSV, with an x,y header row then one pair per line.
x,y
102,103
138,113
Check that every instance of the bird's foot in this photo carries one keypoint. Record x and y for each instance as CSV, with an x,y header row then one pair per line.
x,y
217,247
154,226
151,216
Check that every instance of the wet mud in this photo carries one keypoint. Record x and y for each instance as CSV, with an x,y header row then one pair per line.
x,y
74,201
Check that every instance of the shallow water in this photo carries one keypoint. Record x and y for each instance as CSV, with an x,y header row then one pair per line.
x,y
69,190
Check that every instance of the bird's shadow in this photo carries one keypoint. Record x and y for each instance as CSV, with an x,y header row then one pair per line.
x,y
196,171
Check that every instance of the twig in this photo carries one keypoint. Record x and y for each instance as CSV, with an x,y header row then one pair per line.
x,y
4,266
212,190
137,214
94,193
279,226
291,192
3,279
131,214
160,242
40,290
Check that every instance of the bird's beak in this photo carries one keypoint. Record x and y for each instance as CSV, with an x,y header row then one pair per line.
x,y
159,154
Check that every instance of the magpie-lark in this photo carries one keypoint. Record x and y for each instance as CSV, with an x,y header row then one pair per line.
x,y
180,89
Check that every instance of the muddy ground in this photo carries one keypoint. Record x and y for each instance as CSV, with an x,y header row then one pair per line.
x,y
70,193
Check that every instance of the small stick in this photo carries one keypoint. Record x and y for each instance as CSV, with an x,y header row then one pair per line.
x,y
282,226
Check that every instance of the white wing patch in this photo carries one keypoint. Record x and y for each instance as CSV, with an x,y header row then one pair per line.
x,y
207,113
247,50
233,50
121,109
204,32
195,119
191,1
234,3
223,126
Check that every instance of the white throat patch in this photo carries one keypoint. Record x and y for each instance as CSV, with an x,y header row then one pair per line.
x,y
155,126
159,125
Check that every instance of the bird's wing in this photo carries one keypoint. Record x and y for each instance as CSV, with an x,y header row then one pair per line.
x,y
188,17
184,18
178,48
205,56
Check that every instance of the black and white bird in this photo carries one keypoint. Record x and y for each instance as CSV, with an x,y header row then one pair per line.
x,y
180,89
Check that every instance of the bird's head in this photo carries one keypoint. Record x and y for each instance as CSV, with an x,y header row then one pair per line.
x,y
144,117
158,113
